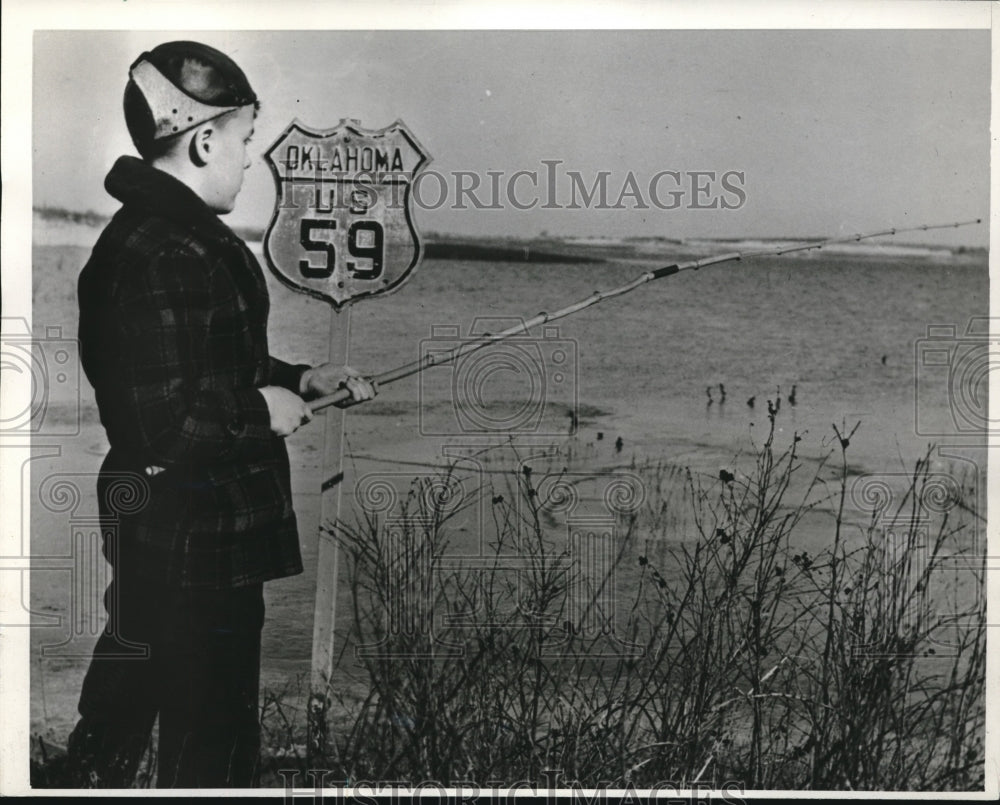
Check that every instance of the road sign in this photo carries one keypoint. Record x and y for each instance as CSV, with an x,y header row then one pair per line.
x,y
342,230
342,227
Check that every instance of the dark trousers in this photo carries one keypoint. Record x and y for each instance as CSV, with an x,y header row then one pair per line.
x,y
200,675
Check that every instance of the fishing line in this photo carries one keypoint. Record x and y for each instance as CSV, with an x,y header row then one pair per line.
x,y
486,339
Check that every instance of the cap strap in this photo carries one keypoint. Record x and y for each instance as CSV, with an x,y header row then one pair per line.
x,y
173,111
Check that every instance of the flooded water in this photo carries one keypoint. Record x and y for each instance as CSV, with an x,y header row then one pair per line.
x,y
848,334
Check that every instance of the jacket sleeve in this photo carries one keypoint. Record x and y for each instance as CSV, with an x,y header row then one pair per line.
x,y
286,375
167,407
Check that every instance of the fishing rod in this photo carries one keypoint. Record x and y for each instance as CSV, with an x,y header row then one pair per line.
x,y
486,339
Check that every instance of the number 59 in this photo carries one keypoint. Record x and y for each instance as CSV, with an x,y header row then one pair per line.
x,y
365,240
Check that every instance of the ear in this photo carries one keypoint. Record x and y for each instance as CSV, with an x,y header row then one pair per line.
x,y
202,147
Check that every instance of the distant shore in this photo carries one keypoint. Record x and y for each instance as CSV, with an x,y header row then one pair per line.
x,y
82,226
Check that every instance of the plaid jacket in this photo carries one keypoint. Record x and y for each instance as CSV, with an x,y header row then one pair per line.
x,y
173,338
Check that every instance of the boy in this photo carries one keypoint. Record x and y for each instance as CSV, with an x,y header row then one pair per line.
x,y
173,338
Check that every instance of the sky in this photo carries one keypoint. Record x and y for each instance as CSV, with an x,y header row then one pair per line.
x,y
823,132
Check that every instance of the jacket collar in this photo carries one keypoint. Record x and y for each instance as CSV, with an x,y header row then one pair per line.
x,y
136,183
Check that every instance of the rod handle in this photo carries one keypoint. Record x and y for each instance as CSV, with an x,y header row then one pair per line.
x,y
342,394
330,399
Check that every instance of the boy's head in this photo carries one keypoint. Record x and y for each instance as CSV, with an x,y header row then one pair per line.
x,y
189,102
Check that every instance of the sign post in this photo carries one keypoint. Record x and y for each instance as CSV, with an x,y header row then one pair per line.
x,y
342,230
